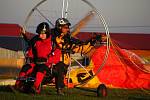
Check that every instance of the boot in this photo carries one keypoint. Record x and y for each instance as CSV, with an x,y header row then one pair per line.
x,y
19,87
60,91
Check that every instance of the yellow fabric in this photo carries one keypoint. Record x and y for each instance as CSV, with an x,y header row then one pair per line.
x,y
75,48
82,48
66,58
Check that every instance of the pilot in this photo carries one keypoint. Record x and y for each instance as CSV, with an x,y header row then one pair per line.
x,y
68,45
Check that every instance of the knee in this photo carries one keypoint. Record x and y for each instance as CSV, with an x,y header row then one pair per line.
x,y
26,67
60,67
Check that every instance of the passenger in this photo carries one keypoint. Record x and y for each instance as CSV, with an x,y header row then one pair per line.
x,y
39,57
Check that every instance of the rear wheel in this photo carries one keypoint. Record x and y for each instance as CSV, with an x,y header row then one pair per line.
x,y
102,90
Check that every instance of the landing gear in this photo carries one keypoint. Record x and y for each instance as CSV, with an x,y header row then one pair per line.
x,y
102,90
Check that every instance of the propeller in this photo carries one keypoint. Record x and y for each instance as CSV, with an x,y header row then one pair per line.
x,y
82,23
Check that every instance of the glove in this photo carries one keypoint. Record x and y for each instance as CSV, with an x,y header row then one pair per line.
x,y
92,42
98,38
29,60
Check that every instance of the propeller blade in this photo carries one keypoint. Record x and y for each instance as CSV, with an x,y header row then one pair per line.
x,y
82,23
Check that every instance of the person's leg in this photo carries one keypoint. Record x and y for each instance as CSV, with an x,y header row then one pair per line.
x,y
41,72
59,72
26,69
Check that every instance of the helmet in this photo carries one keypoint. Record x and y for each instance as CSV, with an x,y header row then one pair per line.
x,y
60,22
43,28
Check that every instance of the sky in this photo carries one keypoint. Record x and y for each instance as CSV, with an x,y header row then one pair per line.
x,y
121,16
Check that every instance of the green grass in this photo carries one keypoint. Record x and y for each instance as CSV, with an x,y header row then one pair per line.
x,y
49,93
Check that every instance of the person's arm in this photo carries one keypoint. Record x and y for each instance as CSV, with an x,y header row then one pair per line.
x,y
84,47
23,33
29,55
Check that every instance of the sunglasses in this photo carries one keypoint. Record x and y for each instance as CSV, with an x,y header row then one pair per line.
x,y
65,27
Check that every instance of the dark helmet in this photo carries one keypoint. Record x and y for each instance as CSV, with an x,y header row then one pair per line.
x,y
61,21
43,28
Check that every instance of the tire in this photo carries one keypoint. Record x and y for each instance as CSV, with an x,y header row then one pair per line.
x,y
102,90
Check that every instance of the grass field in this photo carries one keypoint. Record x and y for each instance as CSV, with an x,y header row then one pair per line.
x,y
49,93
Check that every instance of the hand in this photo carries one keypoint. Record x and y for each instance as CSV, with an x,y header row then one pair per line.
x,y
98,37
23,31
92,42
